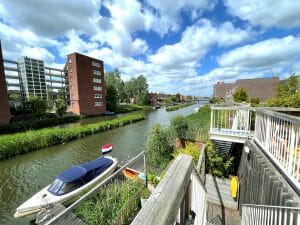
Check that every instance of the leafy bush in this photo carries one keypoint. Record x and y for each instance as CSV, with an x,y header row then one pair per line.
x,y
19,143
190,149
131,108
176,107
154,180
109,203
215,164
240,95
159,146
179,126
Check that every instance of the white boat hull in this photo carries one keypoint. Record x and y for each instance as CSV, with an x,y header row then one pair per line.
x,y
44,198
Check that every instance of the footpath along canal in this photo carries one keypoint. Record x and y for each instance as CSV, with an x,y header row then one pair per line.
x,y
22,176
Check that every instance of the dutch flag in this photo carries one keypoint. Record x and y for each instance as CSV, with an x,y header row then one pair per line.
x,y
106,148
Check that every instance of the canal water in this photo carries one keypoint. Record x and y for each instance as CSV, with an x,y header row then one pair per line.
x,y
24,175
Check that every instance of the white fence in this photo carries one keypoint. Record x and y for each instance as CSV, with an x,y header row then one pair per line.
x,y
269,215
234,121
278,135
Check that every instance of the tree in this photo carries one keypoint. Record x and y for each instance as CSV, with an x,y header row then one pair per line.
x,y
111,98
240,95
37,106
113,78
179,128
61,106
138,88
159,147
288,94
289,87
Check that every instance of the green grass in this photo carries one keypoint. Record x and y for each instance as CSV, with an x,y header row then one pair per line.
x,y
114,204
176,107
20,143
199,123
131,108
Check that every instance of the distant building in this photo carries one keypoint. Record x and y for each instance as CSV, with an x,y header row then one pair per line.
x,y
32,73
4,106
86,84
262,88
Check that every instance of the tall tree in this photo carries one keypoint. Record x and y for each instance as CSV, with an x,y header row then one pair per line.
x,y
111,98
37,106
113,78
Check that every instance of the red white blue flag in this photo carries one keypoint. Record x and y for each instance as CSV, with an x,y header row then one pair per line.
x,y
106,148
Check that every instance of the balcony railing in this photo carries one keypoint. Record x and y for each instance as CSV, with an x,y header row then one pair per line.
x,y
278,135
232,121
269,215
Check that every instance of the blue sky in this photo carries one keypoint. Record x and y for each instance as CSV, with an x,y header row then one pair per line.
x,y
179,45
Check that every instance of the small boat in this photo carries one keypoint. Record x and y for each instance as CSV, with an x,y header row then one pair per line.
x,y
109,113
133,174
69,185
107,148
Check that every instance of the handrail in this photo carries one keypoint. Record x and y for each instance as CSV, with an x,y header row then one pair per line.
x,y
67,210
271,206
231,107
283,116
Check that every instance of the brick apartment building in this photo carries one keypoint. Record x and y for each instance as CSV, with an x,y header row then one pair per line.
x,y
86,84
4,106
262,88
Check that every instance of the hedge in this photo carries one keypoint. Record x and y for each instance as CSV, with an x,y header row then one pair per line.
x,y
176,107
20,143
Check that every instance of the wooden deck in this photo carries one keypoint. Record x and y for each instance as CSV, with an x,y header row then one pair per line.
x,y
68,219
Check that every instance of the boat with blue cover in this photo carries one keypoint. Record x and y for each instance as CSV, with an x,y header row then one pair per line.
x,y
69,184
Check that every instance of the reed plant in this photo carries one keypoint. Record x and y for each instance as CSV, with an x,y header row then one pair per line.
x,y
176,107
115,203
20,143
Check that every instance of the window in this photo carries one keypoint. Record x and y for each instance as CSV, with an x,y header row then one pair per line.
x,y
97,95
70,69
70,60
97,80
72,96
96,72
72,87
97,88
95,64
98,103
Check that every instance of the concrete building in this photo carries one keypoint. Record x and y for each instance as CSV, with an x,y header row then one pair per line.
x,y
32,73
262,88
86,84
4,106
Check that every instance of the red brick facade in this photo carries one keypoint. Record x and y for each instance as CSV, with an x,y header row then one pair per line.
x,y
4,106
262,88
86,84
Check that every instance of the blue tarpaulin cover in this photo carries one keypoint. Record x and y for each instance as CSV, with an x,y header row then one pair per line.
x,y
76,172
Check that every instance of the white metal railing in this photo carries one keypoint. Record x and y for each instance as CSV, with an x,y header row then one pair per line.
x,y
234,121
269,215
278,135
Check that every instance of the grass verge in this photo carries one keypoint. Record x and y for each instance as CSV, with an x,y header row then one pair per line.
x,y
176,107
20,143
131,108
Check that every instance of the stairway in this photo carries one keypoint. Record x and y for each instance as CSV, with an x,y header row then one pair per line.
x,y
223,147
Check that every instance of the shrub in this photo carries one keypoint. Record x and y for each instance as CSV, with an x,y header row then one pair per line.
x,y
190,149
179,126
216,164
159,146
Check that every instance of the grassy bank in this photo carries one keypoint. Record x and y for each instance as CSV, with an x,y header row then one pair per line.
x,y
20,143
176,107
115,204
131,108
33,124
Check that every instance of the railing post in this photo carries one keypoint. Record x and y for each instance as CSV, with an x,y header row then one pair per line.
x,y
292,149
211,119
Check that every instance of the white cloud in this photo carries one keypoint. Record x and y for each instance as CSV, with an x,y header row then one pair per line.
x,y
38,53
267,13
51,18
266,53
195,42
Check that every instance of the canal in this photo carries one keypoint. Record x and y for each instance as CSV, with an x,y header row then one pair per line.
x,y
24,175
